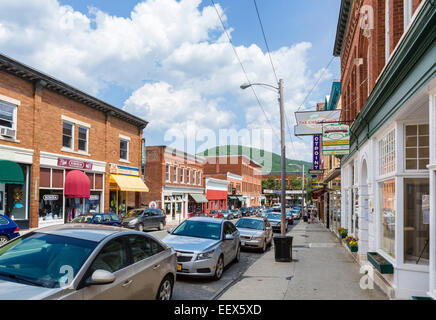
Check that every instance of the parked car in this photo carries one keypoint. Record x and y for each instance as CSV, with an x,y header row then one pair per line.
x,y
8,229
87,262
216,214
289,217
108,219
254,233
204,246
227,214
275,220
236,213
296,214
144,219
245,212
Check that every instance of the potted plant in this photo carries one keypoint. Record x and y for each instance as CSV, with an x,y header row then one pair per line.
x,y
352,244
380,263
342,232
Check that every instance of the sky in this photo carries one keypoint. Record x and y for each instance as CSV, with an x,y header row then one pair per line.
x,y
170,62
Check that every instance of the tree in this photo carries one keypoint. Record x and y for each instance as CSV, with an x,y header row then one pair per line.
x,y
269,184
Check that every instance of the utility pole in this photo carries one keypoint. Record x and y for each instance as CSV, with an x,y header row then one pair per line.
x,y
302,195
283,158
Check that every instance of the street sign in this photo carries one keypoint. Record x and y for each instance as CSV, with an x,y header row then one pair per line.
x,y
311,122
335,139
316,151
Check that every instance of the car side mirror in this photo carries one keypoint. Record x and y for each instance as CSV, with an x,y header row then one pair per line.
x,y
100,277
170,230
229,237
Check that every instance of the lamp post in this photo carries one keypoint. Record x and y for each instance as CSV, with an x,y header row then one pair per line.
x,y
283,149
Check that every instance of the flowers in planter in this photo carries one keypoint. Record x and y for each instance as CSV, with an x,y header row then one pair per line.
x,y
342,232
352,243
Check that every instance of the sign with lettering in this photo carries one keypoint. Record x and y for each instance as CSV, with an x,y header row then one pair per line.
x,y
335,139
316,151
125,170
311,122
75,164
50,197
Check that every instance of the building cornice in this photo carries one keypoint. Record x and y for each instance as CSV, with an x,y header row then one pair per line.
x,y
341,29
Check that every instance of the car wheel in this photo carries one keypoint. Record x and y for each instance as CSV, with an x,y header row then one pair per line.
x,y
165,289
161,226
219,268
141,227
263,249
3,240
238,254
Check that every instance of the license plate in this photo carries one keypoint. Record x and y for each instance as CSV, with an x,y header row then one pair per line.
x,y
242,243
179,267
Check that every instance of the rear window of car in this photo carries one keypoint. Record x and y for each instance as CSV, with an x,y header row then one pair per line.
x,y
115,217
3,221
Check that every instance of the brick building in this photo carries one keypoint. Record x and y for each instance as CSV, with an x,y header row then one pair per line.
x,y
242,166
388,89
62,151
176,181
234,188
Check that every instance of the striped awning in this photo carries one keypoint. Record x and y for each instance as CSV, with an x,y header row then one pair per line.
x,y
199,198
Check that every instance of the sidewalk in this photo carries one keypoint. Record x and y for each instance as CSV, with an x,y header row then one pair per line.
x,y
320,269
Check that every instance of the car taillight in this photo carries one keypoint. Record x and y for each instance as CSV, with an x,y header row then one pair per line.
x,y
16,230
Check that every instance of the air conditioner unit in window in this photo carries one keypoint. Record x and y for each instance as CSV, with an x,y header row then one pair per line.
x,y
9,133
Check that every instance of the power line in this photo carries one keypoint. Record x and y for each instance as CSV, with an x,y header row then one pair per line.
x,y
242,66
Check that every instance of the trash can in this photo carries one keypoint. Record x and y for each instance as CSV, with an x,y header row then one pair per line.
x,y
305,218
283,248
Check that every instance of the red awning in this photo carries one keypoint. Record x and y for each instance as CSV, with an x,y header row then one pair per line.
x,y
77,185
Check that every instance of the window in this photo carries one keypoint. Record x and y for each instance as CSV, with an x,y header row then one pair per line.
x,y
83,139
112,257
387,153
199,178
388,217
143,247
194,176
67,135
408,9
8,115
416,220
175,174
417,147
167,172
188,175
124,149
182,175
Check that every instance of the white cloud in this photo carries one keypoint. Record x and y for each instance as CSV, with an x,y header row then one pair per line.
x,y
172,56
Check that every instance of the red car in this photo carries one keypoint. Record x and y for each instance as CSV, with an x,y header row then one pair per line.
x,y
216,214
289,217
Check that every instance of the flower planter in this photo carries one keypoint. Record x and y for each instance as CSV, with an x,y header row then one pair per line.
x,y
380,263
343,235
352,249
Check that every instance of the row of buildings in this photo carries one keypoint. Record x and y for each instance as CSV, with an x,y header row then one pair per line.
x,y
64,153
384,191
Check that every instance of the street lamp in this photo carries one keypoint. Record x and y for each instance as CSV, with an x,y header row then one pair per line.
x,y
279,89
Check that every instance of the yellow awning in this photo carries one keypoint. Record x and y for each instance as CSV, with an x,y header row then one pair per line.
x,y
128,183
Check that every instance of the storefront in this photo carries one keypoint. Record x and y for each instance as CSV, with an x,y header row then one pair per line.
x,y
196,203
69,187
124,182
216,194
15,166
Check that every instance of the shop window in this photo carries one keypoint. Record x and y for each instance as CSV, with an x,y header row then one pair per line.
x,y
67,135
417,147
124,149
83,139
388,217
92,205
416,220
387,153
50,205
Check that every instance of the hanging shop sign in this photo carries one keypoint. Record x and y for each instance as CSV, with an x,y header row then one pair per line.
x,y
76,164
335,139
124,170
316,151
317,184
316,172
311,122
50,197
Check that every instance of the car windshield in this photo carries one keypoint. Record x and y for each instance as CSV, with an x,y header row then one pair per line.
x,y
199,229
250,224
43,259
81,219
133,213
274,216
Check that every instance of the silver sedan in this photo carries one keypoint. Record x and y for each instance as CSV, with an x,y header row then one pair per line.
x,y
204,246
255,233
81,261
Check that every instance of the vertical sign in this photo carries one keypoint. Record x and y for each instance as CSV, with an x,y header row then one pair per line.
x,y
316,152
143,157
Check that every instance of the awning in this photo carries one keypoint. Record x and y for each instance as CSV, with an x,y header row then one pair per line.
x,y
199,198
333,175
128,183
11,172
241,198
178,194
77,185
232,197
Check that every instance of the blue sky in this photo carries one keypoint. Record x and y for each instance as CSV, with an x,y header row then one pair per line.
x,y
170,63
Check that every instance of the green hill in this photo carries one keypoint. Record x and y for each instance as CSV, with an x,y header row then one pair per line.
x,y
270,161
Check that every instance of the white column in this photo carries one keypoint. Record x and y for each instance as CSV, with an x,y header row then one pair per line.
x,y
432,126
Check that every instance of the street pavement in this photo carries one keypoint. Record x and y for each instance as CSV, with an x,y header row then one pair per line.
x,y
321,269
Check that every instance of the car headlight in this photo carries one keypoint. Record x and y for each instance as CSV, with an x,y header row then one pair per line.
x,y
133,221
205,255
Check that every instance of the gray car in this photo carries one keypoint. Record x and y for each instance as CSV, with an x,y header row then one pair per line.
x,y
275,219
144,219
204,246
86,262
255,233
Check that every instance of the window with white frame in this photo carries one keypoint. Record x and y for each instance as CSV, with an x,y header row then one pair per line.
x,y
199,178
8,117
124,149
182,175
68,135
167,172
408,10
194,176
83,139
387,153
417,147
175,174
388,217
188,175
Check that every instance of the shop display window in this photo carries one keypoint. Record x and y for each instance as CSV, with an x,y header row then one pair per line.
x,y
50,205
417,146
416,220
387,217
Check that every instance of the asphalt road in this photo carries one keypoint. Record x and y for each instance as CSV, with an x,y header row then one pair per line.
x,y
187,288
